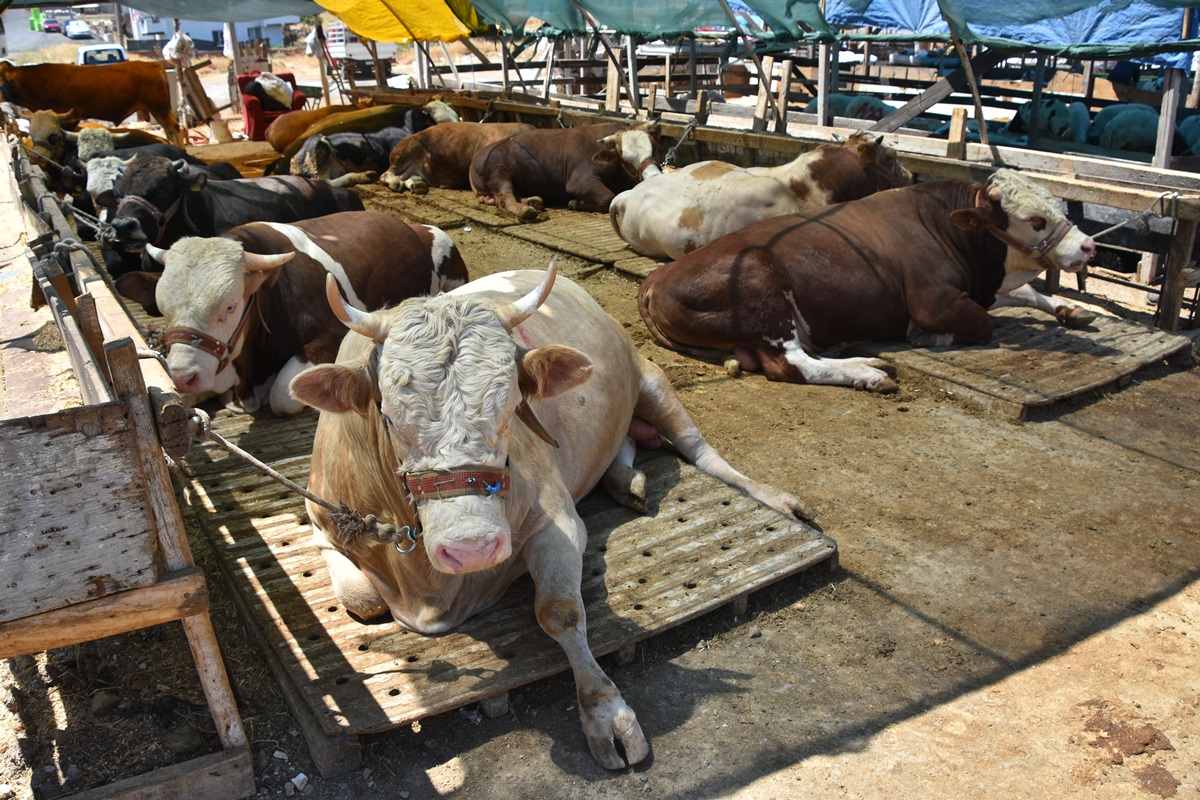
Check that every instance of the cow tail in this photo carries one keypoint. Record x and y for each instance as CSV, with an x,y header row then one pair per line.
x,y
280,166
614,216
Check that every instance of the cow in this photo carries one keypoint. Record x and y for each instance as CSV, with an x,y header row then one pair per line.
x,y
284,129
344,148
680,211
162,201
495,419
110,92
924,263
582,168
103,172
441,156
246,311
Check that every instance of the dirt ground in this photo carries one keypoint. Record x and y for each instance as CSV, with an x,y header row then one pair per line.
x,y
1015,614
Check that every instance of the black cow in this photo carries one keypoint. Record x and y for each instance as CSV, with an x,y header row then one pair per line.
x,y
163,201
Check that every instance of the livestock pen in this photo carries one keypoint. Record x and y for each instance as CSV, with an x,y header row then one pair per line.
x,y
1010,587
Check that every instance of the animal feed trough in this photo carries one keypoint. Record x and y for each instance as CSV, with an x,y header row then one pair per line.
x,y
702,546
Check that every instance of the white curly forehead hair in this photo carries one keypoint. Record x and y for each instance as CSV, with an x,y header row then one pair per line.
x,y
1020,196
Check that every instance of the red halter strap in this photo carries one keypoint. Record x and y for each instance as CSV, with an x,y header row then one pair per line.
x,y
1040,253
200,340
460,482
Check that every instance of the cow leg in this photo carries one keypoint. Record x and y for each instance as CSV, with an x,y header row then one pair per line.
x,y
623,483
503,196
658,405
279,393
353,179
353,589
946,316
589,194
1068,314
554,558
872,374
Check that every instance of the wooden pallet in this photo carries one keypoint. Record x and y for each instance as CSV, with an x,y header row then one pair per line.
x,y
1033,362
702,546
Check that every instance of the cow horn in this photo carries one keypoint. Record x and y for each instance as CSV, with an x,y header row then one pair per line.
x,y
358,321
71,136
523,309
253,262
157,253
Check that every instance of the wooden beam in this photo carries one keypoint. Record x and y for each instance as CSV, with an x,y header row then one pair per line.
x,y
176,595
954,82
957,142
1171,300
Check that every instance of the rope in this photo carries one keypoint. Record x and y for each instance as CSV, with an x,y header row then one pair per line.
x,y
669,157
95,223
349,522
1168,204
488,111
47,159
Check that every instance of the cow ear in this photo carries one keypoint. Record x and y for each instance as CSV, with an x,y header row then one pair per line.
x,y
337,388
606,156
969,219
867,149
549,371
138,286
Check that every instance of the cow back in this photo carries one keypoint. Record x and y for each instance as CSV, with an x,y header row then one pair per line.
x,y
543,161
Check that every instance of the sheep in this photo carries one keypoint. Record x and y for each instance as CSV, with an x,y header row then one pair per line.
x,y
1105,115
1054,120
854,107
1189,130
1080,118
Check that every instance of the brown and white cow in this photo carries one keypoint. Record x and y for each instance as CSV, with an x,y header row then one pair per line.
x,y
441,156
440,398
246,311
582,168
924,263
680,211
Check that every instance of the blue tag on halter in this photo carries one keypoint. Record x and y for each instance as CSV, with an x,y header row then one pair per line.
x,y
492,488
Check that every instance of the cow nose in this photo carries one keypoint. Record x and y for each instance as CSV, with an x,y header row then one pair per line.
x,y
1088,248
104,201
472,555
126,226
186,380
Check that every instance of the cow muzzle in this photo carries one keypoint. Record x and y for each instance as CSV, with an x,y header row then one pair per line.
x,y
479,537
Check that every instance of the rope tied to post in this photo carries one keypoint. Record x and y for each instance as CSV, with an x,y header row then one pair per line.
x,y
1167,204
669,156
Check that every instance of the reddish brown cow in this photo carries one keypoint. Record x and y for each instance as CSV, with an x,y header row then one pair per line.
x,y
441,156
582,168
111,92
924,263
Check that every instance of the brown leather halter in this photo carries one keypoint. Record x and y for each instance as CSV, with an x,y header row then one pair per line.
x,y
161,218
200,340
1039,254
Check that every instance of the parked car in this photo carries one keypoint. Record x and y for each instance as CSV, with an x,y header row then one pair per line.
x,y
51,26
101,54
77,29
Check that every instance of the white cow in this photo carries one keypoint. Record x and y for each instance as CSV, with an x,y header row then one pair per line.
x,y
435,399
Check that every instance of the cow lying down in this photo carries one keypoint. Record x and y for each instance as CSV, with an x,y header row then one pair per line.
x,y
923,263
246,311
581,168
680,211
440,399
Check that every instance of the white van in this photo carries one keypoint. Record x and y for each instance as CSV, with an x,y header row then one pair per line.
x,y
349,54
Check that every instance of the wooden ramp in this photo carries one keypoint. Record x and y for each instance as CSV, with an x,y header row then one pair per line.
x,y
702,546
1034,362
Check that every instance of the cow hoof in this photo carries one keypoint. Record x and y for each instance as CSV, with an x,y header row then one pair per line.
x,y
392,182
535,202
370,176
627,486
609,722
883,385
419,187
528,214
1075,317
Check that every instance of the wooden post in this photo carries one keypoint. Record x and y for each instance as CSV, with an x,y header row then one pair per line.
x,y
1151,262
668,66
612,91
635,93
548,81
785,89
823,81
765,76
231,41
957,145
692,68
1171,299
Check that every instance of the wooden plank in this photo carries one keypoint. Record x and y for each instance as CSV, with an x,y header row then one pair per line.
x,y
71,479
220,776
1032,362
176,595
361,679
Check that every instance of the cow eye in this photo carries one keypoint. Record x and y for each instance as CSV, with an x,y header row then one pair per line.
x,y
232,307
1038,223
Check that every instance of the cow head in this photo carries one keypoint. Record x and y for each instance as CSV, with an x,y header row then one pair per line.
x,y
151,190
316,159
879,159
449,381
90,142
633,148
440,112
102,176
1031,222
49,138
204,293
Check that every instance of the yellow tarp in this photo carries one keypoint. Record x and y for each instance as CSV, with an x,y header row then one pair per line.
x,y
399,20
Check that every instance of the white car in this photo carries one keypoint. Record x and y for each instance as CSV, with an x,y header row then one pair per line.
x,y
77,29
